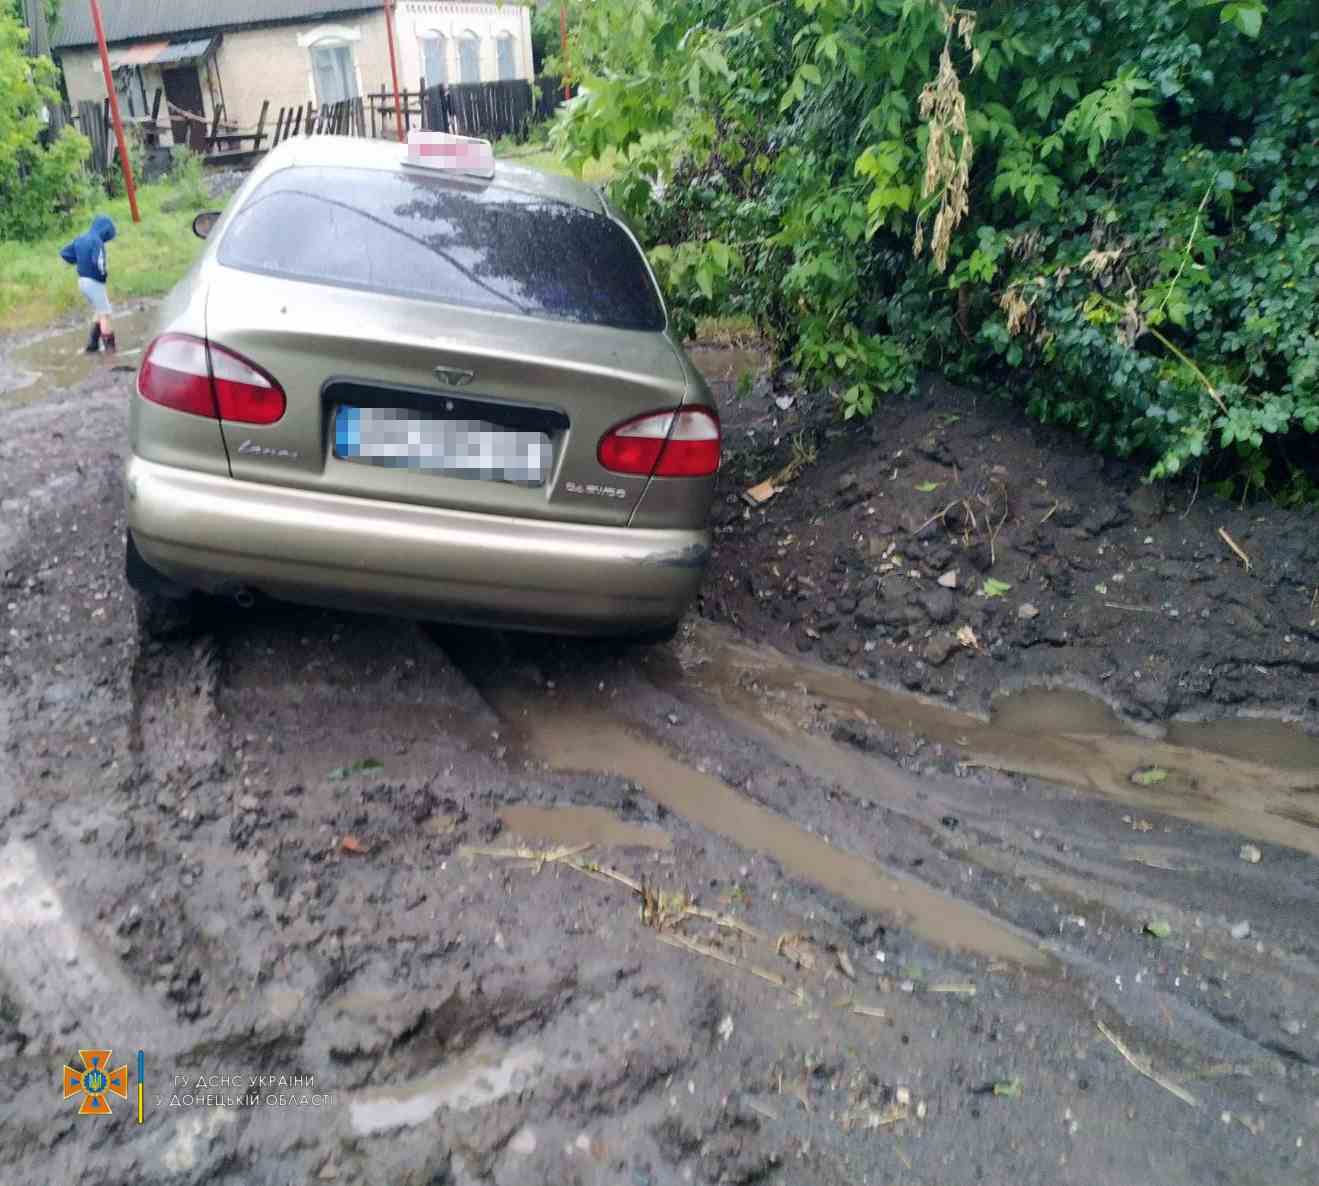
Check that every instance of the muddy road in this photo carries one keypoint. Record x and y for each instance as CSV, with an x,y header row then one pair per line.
x,y
385,902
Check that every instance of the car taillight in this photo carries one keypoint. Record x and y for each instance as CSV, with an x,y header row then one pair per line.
x,y
176,374
196,376
679,444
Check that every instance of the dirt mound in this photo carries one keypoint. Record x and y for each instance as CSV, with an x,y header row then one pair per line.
x,y
955,548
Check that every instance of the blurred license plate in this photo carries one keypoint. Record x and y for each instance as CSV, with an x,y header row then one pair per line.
x,y
401,438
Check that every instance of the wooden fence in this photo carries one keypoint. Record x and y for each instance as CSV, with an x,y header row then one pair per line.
x,y
94,122
489,110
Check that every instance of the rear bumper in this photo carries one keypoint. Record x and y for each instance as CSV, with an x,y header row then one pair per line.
x,y
218,535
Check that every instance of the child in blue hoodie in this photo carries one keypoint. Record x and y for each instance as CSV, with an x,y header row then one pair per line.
x,y
87,254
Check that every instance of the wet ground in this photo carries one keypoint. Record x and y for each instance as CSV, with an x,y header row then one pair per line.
x,y
390,903
42,364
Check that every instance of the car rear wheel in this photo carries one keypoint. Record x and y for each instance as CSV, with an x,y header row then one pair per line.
x,y
161,608
654,638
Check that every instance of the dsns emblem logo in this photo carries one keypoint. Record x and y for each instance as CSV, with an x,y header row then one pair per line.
x,y
94,1081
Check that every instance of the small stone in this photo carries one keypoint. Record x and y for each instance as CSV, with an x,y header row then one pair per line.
x,y
938,649
1292,1027
949,579
165,801
939,604
903,1097
1250,853
249,803
1026,611
1241,930
329,1172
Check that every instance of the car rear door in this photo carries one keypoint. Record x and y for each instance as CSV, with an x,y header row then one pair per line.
x,y
433,328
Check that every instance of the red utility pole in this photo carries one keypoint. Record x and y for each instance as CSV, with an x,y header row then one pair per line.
x,y
393,67
563,46
124,162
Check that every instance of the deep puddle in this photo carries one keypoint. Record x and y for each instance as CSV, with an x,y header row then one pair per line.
x,y
572,738
469,1082
1259,778
581,825
54,362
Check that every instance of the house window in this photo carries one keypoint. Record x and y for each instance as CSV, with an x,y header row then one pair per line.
x,y
336,78
435,58
504,48
469,57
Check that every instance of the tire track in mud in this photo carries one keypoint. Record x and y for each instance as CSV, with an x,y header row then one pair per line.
x,y
570,734
176,733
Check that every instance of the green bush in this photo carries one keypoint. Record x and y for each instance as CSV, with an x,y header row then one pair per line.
x,y
1108,211
188,177
41,178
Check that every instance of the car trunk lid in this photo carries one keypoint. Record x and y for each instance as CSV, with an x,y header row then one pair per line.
x,y
416,377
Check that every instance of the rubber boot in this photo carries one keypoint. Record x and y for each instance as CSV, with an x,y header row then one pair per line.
x,y
94,339
109,343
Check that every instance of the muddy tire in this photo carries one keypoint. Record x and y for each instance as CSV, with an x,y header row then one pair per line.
x,y
160,618
162,609
654,638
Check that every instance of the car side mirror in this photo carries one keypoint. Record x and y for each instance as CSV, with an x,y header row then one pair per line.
x,y
205,222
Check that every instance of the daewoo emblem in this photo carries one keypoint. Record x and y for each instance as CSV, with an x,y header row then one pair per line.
x,y
453,377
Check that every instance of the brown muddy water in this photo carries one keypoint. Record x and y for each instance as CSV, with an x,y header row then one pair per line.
x,y
570,737
1256,777
43,366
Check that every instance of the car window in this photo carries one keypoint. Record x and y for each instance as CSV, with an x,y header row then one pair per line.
x,y
419,236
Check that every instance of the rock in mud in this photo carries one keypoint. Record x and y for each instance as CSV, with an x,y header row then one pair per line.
x,y
940,605
938,649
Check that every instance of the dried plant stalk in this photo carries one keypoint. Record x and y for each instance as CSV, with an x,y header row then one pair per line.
x,y
949,149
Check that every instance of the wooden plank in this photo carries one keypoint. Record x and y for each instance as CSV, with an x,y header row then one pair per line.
x,y
260,126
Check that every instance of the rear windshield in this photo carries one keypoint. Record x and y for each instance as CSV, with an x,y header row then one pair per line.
x,y
484,247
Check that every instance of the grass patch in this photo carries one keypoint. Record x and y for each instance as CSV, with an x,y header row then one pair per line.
x,y
146,259
732,330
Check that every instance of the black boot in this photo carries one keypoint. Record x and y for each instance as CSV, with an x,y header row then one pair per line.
x,y
109,343
94,339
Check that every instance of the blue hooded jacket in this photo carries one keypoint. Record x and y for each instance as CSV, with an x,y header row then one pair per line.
x,y
88,251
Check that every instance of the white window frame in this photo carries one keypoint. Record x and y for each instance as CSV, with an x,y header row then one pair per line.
x,y
431,34
465,36
330,37
504,37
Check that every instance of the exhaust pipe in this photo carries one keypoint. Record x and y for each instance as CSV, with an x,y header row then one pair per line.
x,y
244,599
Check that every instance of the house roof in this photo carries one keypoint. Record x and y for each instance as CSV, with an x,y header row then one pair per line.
x,y
130,20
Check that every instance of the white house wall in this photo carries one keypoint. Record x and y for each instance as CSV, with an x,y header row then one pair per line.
x,y
416,18
275,61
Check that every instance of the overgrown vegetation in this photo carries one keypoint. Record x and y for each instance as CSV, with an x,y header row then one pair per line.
x,y
41,176
1108,211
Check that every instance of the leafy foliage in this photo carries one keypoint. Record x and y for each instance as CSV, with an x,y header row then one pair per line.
x,y
41,178
1107,211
